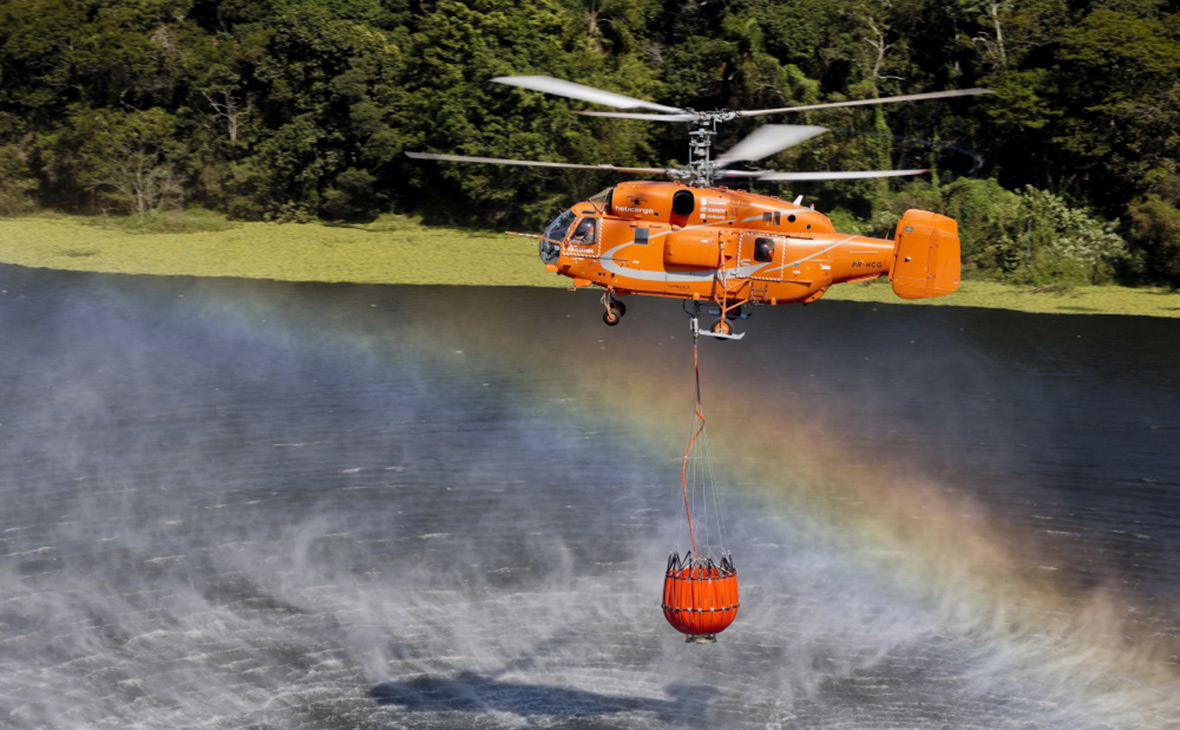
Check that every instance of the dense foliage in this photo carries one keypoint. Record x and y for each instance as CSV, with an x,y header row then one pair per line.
x,y
293,109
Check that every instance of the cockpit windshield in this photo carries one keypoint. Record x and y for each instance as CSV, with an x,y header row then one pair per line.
x,y
560,226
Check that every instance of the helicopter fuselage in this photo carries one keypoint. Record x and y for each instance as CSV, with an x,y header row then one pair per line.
x,y
733,247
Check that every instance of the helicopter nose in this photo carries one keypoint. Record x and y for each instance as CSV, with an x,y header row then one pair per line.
x,y
550,251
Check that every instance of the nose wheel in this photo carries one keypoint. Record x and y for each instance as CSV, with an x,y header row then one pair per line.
x,y
615,309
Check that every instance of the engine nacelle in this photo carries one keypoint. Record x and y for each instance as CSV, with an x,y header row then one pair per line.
x,y
682,206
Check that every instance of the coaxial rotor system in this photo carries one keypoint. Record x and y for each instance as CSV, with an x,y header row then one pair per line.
x,y
702,170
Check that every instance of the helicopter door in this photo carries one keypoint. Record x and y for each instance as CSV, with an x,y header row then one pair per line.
x,y
762,255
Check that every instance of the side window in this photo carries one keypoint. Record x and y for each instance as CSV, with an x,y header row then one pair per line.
x,y
641,236
764,250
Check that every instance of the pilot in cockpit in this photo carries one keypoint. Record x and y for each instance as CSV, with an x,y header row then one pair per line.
x,y
584,233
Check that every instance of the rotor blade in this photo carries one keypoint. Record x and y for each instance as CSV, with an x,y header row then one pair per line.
x,y
551,85
738,173
841,175
645,117
533,163
767,140
863,102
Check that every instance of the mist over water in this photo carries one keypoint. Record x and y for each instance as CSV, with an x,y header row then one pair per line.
x,y
242,504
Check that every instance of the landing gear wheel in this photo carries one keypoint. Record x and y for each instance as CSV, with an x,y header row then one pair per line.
x,y
622,307
721,327
613,314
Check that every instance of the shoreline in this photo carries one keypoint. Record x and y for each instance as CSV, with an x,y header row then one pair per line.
x,y
405,252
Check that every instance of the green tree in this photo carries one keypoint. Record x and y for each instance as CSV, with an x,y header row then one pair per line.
x,y
1123,126
991,224
17,183
455,108
131,161
1069,243
1155,227
328,94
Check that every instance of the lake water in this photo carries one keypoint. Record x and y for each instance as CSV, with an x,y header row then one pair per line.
x,y
233,504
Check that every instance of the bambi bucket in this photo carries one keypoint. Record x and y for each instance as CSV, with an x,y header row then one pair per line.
x,y
700,596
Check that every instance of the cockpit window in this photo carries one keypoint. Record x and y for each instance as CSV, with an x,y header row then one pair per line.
x,y
584,233
560,226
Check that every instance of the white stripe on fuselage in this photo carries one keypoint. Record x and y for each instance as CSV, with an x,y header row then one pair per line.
x,y
808,257
610,263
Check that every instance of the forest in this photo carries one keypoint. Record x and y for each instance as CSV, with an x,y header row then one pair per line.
x,y
296,110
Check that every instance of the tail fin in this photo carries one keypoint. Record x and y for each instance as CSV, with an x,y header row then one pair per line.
x,y
925,255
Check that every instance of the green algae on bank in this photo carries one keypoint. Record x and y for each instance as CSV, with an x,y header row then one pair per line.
x,y
1142,301
402,251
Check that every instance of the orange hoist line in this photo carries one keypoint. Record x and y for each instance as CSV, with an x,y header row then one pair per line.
x,y
684,464
700,595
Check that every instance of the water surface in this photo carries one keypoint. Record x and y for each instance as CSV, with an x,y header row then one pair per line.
x,y
236,504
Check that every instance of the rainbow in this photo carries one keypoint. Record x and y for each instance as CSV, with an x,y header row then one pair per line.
x,y
925,541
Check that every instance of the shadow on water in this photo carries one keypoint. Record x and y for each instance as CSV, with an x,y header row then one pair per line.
x,y
474,692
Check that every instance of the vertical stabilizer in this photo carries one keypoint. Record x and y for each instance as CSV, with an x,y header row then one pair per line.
x,y
925,255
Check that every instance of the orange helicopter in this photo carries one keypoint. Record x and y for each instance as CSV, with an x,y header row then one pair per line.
x,y
692,240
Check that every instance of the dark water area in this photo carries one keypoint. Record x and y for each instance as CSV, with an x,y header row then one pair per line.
x,y
235,504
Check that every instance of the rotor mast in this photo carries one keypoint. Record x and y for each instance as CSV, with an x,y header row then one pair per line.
x,y
701,168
